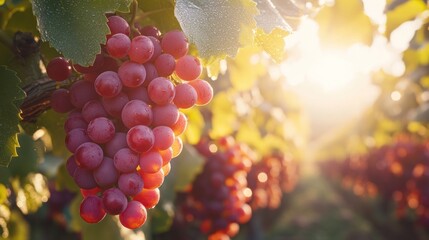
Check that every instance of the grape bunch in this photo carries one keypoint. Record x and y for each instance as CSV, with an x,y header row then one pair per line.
x,y
218,197
124,122
265,180
397,172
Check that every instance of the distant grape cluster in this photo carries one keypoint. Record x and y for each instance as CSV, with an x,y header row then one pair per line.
x,y
124,122
398,172
269,178
218,198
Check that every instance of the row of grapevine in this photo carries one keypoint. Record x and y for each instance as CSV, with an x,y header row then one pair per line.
x,y
100,136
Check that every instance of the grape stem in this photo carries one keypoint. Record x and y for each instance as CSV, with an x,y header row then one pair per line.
x,y
6,40
38,97
134,9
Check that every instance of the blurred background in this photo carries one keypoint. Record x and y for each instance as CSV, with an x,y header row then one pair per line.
x,y
330,122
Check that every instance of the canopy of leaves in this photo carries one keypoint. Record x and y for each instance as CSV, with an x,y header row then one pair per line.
x,y
11,96
76,28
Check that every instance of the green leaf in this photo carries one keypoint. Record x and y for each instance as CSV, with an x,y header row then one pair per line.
x,y
269,17
218,28
26,161
185,167
159,14
53,122
76,28
11,97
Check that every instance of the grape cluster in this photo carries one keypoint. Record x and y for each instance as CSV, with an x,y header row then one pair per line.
x,y
398,172
124,122
269,178
218,198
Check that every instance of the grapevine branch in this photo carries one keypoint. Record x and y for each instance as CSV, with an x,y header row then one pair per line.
x,y
37,100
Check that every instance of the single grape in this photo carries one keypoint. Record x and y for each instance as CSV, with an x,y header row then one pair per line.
x,y
106,174
175,43
118,45
152,180
188,68
156,48
82,92
148,197
84,178
94,68
166,155
75,138
164,137
141,49
161,91
126,161
60,101
108,84
90,192
134,216
74,122
150,162
177,146
71,165
132,74
150,31
58,69
151,73
204,91
101,130
93,109
89,155
186,96
130,183
244,213
140,138
165,115
91,209
136,112
166,169
139,93
165,65
118,25
180,125
118,142
114,105
114,201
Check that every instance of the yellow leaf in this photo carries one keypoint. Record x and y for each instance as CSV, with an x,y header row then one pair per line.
x,y
224,117
246,68
344,24
2,2
195,126
402,13
272,43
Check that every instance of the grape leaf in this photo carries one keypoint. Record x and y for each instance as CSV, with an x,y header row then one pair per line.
x,y
344,24
84,20
218,28
269,17
224,117
273,43
11,97
195,126
246,68
2,2
159,14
